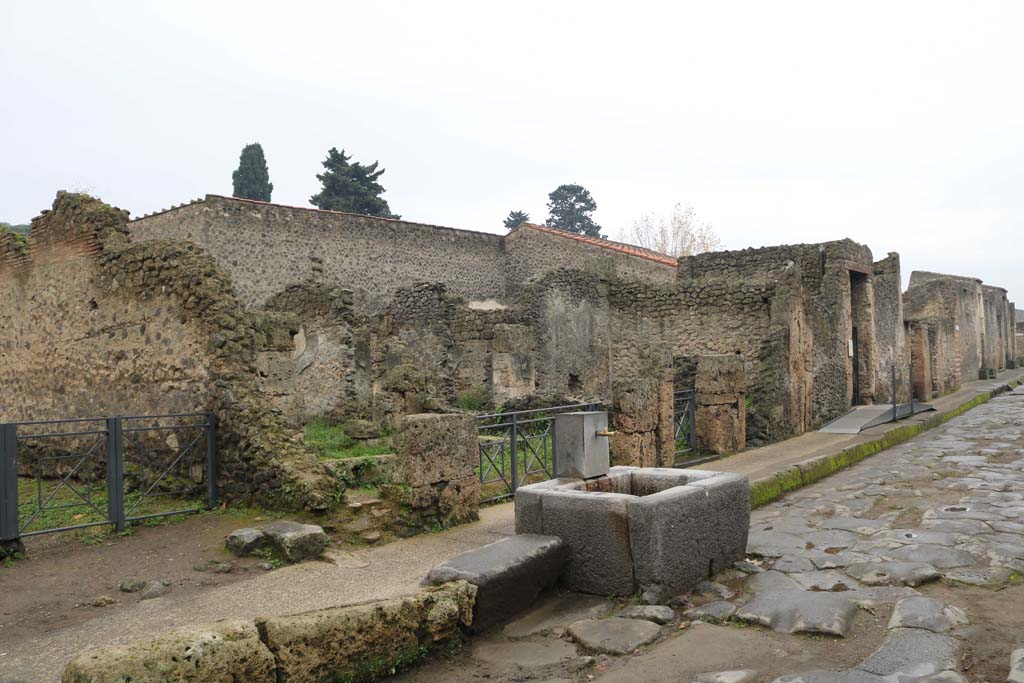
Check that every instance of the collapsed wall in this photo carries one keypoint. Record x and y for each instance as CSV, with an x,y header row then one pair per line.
x,y
98,325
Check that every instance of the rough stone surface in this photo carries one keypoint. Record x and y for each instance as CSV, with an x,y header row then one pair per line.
x,y
659,614
243,542
344,642
893,573
297,542
509,575
1016,667
711,611
152,589
227,651
615,636
913,652
687,534
927,613
801,612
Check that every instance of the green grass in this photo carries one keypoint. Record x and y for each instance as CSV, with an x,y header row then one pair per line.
x,y
335,444
471,401
68,509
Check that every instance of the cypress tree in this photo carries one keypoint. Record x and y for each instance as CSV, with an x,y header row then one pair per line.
x,y
252,179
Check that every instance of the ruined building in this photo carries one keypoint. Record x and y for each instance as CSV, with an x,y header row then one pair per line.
x,y
302,312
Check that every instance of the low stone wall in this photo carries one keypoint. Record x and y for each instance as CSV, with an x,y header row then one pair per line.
x,y
436,458
353,643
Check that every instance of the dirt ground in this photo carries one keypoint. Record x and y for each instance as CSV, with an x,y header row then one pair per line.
x,y
62,581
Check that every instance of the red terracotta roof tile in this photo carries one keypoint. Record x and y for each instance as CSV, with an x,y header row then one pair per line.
x,y
620,247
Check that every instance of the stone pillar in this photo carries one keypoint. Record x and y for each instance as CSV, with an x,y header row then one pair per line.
x,y
512,371
920,360
437,456
721,389
634,419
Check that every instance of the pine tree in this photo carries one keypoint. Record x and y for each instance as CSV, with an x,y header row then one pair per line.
x,y
515,219
570,208
350,187
252,179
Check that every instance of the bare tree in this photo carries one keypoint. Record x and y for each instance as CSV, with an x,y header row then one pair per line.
x,y
682,234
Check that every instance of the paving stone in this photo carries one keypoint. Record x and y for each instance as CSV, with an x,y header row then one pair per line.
x,y
1005,555
985,577
748,567
1016,667
864,527
713,612
827,580
893,573
153,589
659,614
615,636
509,574
936,555
927,613
831,539
769,581
913,652
790,564
773,543
910,536
801,612
740,676
838,560
956,526
297,542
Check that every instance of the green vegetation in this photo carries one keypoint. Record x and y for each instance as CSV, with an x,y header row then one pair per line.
x,y
570,208
68,509
515,219
350,187
251,179
470,400
332,442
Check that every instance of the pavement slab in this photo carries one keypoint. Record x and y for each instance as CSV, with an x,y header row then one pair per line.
x,y
801,612
893,573
927,613
914,653
615,635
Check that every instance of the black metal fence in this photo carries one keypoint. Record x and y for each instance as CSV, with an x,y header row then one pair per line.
x,y
517,448
684,412
59,475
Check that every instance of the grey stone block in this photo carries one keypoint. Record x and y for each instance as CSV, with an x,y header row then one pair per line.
x,y
687,534
297,542
656,479
509,575
913,652
529,518
243,542
595,526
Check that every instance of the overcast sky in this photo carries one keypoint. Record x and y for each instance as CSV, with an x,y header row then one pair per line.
x,y
898,124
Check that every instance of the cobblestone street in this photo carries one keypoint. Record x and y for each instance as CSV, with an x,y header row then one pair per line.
x,y
907,566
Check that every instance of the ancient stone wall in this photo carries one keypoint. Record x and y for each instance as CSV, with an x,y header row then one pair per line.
x,y
268,247
96,325
721,390
535,251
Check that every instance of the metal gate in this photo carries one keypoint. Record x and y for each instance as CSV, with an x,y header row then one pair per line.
x,y
517,448
59,475
684,411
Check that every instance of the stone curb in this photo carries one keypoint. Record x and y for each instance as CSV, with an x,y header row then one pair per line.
x,y
773,487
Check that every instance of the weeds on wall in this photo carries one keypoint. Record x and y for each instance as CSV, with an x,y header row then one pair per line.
x,y
333,443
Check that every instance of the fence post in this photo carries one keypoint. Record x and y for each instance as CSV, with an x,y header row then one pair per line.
x,y
9,482
514,452
554,455
115,473
894,415
691,422
211,461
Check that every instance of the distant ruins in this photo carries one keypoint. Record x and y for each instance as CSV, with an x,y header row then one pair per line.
x,y
283,313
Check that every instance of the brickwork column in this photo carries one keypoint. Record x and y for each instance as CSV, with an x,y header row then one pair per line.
x,y
721,389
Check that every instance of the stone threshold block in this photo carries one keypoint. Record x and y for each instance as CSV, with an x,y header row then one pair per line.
x,y
659,531
509,575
